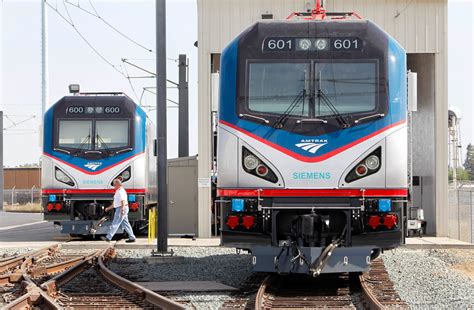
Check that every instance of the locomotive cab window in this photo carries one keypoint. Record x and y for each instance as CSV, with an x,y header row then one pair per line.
x,y
279,88
349,87
75,134
111,134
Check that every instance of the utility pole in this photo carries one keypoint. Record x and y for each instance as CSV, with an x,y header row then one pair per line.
x,y
162,158
44,59
183,109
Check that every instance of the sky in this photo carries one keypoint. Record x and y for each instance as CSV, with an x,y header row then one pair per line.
x,y
71,60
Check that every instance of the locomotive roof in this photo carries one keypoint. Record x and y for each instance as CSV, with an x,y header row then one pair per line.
x,y
91,99
362,28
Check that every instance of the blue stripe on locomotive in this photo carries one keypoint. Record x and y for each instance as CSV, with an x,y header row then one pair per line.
x,y
138,145
397,97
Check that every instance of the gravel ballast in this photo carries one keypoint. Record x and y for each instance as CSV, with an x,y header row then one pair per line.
x,y
200,264
426,279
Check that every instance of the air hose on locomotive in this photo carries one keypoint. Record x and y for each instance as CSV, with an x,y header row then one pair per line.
x,y
314,267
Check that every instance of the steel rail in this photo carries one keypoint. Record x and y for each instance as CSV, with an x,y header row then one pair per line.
x,y
51,286
19,259
259,298
34,296
59,267
135,289
369,297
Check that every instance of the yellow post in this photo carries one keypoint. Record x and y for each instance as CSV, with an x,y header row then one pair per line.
x,y
151,224
149,221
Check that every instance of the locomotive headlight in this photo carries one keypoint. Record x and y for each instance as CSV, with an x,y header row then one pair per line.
x,y
126,175
62,177
321,44
250,162
372,162
305,44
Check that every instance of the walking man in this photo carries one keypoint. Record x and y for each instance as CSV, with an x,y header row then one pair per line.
x,y
121,213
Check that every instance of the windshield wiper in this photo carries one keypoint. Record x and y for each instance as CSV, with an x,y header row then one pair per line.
x,y
83,142
321,95
106,148
369,117
281,120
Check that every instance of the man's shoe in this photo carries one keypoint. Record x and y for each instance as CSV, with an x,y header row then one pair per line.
x,y
130,240
104,239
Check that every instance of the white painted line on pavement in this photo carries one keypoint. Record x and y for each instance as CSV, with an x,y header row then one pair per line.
x,y
21,225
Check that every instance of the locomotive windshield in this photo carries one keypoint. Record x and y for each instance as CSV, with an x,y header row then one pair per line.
x,y
273,87
292,88
351,87
101,135
75,134
111,134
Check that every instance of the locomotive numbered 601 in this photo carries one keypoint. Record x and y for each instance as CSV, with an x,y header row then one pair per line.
x,y
312,143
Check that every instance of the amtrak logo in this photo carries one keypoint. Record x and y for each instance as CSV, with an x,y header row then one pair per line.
x,y
312,145
93,165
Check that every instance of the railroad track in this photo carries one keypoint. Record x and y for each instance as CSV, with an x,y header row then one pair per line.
x,y
50,279
371,290
378,290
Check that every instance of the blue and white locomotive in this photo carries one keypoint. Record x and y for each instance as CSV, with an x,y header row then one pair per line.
x,y
88,141
312,143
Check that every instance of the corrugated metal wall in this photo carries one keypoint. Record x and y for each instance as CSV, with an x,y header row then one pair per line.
x,y
22,178
419,25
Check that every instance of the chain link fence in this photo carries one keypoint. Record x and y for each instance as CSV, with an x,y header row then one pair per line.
x,y
21,197
461,214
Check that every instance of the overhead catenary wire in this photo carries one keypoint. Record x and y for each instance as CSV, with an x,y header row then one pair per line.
x,y
126,61
97,15
96,51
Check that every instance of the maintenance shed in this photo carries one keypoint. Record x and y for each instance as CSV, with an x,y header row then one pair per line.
x,y
420,26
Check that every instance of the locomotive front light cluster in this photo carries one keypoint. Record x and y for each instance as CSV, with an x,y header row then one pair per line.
x,y
361,170
368,166
255,166
250,162
372,162
63,177
124,176
262,170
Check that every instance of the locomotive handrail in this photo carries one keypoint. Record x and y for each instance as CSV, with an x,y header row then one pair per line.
x,y
124,150
368,117
61,150
266,121
311,120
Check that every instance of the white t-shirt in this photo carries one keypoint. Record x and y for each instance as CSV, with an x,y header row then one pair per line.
x,y
120,195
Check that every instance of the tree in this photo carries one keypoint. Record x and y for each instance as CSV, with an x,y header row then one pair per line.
x,y
469,162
